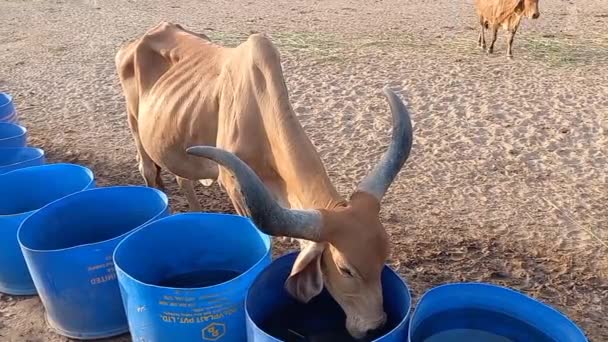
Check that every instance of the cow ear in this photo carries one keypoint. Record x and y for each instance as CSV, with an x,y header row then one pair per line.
x,y
306,279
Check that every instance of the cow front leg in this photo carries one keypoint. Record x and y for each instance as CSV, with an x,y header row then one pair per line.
x,y
187,187
147,168
159,180
150,172
232,189
494,34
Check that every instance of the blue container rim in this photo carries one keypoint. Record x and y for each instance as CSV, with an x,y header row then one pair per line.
x,y
160,194
495,287
7,97
22,129
404,321
39,150
46,166
264,237
11,118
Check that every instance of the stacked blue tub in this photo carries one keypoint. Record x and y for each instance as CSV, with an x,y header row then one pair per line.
x,y
24,188
8,113
14,152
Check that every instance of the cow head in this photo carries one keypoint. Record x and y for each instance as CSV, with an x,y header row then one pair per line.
x,y
348,244
531,9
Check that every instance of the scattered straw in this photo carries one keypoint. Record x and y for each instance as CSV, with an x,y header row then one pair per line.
x,y
575,223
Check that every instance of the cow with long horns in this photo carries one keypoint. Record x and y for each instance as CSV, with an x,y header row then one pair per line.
x,y
206,112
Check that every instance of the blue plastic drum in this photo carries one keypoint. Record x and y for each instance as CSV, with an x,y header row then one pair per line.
x,y
184,278
485,312
7,108
273,315
68,248
23,192
12,135
13,158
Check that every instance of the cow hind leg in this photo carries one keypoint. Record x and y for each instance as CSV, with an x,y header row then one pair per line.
x,y
187,187
510,42
481,40
494,34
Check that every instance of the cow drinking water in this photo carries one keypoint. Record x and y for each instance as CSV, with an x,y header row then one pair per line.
x,y
207,112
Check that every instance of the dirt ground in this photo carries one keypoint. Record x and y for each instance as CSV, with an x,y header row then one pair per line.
x,y
508,178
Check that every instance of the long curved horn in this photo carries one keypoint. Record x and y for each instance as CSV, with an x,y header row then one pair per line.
x,y
383,174
266,213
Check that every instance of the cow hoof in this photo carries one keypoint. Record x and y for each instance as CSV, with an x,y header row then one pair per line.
x,y
510,56
285,239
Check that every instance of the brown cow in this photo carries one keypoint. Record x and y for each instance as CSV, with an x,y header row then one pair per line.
x,y
506,13
231,107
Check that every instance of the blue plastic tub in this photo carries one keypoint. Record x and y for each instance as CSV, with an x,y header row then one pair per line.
x,y
190,283
23,192
271,310
485,312
68,248
12,135
7,108
13,158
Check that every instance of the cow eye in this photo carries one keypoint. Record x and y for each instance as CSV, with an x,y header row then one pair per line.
x,y
346,271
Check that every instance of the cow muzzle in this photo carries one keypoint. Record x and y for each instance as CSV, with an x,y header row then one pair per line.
x,y
535,15
365,329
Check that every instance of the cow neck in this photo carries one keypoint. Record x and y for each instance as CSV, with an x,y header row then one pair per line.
x,y
297,161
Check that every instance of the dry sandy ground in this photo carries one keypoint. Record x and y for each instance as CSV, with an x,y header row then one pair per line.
x,y
507,181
